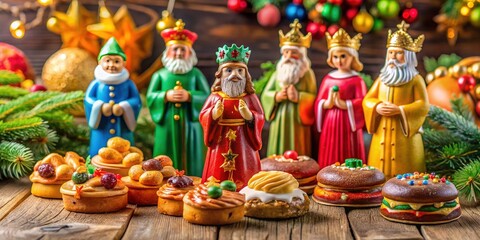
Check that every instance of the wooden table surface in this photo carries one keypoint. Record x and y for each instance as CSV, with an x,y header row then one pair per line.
x,y
24,216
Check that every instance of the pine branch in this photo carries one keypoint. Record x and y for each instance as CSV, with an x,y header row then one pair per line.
x,y
16,160
24,103
9,77
462,109
434,140
22,129
268,70
12,92
42,144
56,103
467,181
458,126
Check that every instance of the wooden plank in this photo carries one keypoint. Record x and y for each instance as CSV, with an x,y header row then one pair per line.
x,y
466,227
322,222
27,220
148,223
369,224
13,192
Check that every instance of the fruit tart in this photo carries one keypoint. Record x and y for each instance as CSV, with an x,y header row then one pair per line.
x,y
118,156
51,172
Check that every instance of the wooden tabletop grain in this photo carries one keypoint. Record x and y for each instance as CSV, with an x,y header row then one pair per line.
x,y
24,216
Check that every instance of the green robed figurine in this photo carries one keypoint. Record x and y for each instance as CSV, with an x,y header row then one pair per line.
x,y
175,97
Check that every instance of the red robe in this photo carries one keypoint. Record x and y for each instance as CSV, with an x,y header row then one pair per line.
x,y
246,142
341,134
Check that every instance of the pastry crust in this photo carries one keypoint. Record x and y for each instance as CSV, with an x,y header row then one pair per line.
x,y
95,204
213,216
277,209
170,207
113,168
47,190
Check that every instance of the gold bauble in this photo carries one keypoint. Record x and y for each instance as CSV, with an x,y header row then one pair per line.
x,y
167,21
475,70
69,69
430,77
477,92
440,72
363,22
458,70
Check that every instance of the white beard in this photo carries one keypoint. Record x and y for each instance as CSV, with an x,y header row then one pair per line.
x,y
179,66
290,73
231,88
398,75
111,78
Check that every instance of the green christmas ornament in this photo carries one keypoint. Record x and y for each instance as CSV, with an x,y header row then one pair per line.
x,y
111,47
233,54
331,12
475,17
388,8
377,25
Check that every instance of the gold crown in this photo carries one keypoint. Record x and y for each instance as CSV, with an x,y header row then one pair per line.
x,y
295,37
402,39
342,39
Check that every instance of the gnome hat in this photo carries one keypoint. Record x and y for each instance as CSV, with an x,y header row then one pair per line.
x,y
111,47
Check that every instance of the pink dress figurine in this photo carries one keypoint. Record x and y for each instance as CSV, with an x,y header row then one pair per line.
x,y
338,107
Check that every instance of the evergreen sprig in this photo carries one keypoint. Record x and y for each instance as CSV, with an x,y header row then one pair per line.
x,y
26,102
10,92
268,70
9,77
16,160
457,125
22,129
467,181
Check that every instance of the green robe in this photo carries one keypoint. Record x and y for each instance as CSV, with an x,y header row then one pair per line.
x,y
290,122
178,134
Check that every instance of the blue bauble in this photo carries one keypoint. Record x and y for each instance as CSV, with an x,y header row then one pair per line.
x,y
296,11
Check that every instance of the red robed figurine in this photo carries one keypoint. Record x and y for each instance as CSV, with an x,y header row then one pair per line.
x,y
232,120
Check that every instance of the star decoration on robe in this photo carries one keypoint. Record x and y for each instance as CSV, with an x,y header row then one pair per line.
x,y
231,135
136,42
229,163
72,27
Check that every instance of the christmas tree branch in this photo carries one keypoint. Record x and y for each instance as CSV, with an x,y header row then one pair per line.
x,y
9,77
24,103
457,125
16,160
12,92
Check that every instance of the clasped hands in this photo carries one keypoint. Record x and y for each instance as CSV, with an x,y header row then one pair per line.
x,y
288,92
242,108
178,95
387,109
334,99
109,109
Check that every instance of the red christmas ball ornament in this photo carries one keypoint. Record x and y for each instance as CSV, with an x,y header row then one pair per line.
x,y
268,16
332,29
298,1
351,13
354,3
316,29
409,14
477,108
237,5
336,2
38,88
344,22
466,83
14,60
291,154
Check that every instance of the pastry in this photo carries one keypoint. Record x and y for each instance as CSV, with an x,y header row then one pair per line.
x,y
103,192
144,180
210,204
274,195
351,184
118,156
170,195
303,168
420,198
51,172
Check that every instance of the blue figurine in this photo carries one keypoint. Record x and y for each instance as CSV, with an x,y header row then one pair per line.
x,y
112,102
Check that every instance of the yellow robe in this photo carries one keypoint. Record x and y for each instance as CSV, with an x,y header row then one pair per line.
x,y
397,145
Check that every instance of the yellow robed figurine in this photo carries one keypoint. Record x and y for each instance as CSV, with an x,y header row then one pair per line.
x,y
396,107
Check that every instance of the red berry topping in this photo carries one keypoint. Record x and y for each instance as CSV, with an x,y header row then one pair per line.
x,y
46,170
291,154
109,180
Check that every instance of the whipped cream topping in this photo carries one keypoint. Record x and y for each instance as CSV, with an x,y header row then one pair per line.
x,y
268,197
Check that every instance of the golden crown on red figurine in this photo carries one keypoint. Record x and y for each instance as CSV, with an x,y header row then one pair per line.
x,y
179,35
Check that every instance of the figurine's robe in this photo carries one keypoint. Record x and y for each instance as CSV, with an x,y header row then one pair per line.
x,y
290,122
341,134
102,128
397,145
178,134
244,145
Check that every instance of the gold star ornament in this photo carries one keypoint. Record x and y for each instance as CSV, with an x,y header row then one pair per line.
x,y
72,27
135,41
